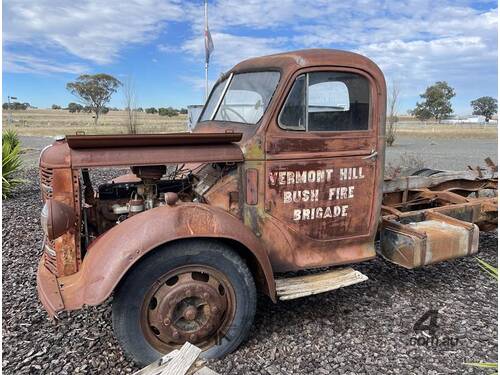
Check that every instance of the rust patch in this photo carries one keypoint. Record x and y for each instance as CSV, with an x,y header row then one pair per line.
x,y
252,186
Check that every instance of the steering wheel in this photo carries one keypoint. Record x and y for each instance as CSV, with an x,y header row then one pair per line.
x,y
224,115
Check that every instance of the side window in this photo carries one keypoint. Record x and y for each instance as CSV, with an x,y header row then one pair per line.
x,y
333,101
293,115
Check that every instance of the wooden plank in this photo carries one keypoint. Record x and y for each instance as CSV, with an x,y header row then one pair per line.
x,y
205,371
178,362
296,287
181,363
157,366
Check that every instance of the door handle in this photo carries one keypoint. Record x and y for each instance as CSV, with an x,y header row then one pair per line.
x,y
372,156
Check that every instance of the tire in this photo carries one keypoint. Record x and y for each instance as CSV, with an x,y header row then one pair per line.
x,y
155,312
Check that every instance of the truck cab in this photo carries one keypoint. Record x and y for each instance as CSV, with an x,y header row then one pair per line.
x,y
283,172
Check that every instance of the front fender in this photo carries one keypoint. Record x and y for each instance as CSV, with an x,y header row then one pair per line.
x,y
112,254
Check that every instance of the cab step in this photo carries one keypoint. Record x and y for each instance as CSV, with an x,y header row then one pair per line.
x,y
302,286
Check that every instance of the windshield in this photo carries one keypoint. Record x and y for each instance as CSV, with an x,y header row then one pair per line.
x,y
245,99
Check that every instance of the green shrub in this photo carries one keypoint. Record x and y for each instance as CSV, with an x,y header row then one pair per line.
x,y
11,162
10,137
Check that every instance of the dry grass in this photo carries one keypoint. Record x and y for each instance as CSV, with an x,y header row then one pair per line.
x,y
433,129
40,122
48,122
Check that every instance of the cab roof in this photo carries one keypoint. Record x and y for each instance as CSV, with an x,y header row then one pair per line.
x,y
289,62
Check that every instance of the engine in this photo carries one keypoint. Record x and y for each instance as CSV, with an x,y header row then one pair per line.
x,y
129,195
147,188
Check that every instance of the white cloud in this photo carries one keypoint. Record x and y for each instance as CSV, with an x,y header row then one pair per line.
x,y
92,30
23,63
230,49
417,41
420,62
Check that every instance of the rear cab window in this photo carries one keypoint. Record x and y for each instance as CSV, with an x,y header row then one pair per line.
x,y
327,101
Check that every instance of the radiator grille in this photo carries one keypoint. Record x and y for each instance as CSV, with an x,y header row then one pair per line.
x,y
46,182
50,260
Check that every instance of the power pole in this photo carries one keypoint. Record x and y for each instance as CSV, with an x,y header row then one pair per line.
x,y
10,108
206,60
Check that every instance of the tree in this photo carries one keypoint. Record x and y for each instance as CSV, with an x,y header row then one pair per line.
x,y
151,110
183,111
55,106
437,102
16,106
485,106
170,112
392,118
129,100
74,107
94,91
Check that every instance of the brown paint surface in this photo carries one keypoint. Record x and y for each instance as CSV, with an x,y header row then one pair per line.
x,y
242,207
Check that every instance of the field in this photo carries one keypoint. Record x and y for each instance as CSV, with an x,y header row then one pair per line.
x,y
48,122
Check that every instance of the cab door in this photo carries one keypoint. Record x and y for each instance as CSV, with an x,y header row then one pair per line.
x,y
323,167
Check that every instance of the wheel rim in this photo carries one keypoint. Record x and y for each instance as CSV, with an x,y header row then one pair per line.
x,y
192,303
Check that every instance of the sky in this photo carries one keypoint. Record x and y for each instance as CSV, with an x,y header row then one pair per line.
x,y
159,46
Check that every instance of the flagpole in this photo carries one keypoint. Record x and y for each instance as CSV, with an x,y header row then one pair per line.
x,y
206,62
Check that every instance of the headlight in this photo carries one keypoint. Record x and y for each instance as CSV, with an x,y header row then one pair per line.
x,y
56,218
44,218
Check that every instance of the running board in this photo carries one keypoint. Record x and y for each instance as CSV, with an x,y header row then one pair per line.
x,y
302,286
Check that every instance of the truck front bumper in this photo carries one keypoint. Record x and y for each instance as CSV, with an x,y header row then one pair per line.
x,y
48,290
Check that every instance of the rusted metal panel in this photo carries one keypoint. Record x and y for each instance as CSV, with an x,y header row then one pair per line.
x,y
291,61
67,247
127,156
426,239
48,290
150,140
224,195
296,236
126,243
59,155
442,181
56,155
252,186
323,198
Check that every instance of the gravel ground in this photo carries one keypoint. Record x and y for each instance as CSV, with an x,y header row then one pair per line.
x,y
365,328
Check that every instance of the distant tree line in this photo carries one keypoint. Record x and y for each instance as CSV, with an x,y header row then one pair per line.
x,y
77,108
16,106
436,104
169,111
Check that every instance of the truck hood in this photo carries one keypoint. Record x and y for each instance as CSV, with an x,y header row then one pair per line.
x,y
81,151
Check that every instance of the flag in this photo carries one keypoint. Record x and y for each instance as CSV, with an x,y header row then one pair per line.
x,y
209,45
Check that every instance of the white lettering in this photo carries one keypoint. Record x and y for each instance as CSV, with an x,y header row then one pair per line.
x,y
297,214
273,176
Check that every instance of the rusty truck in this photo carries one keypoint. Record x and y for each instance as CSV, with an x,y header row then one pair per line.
x,y
283,174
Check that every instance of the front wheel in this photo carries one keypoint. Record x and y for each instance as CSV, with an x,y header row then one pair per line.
x,y
194,290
